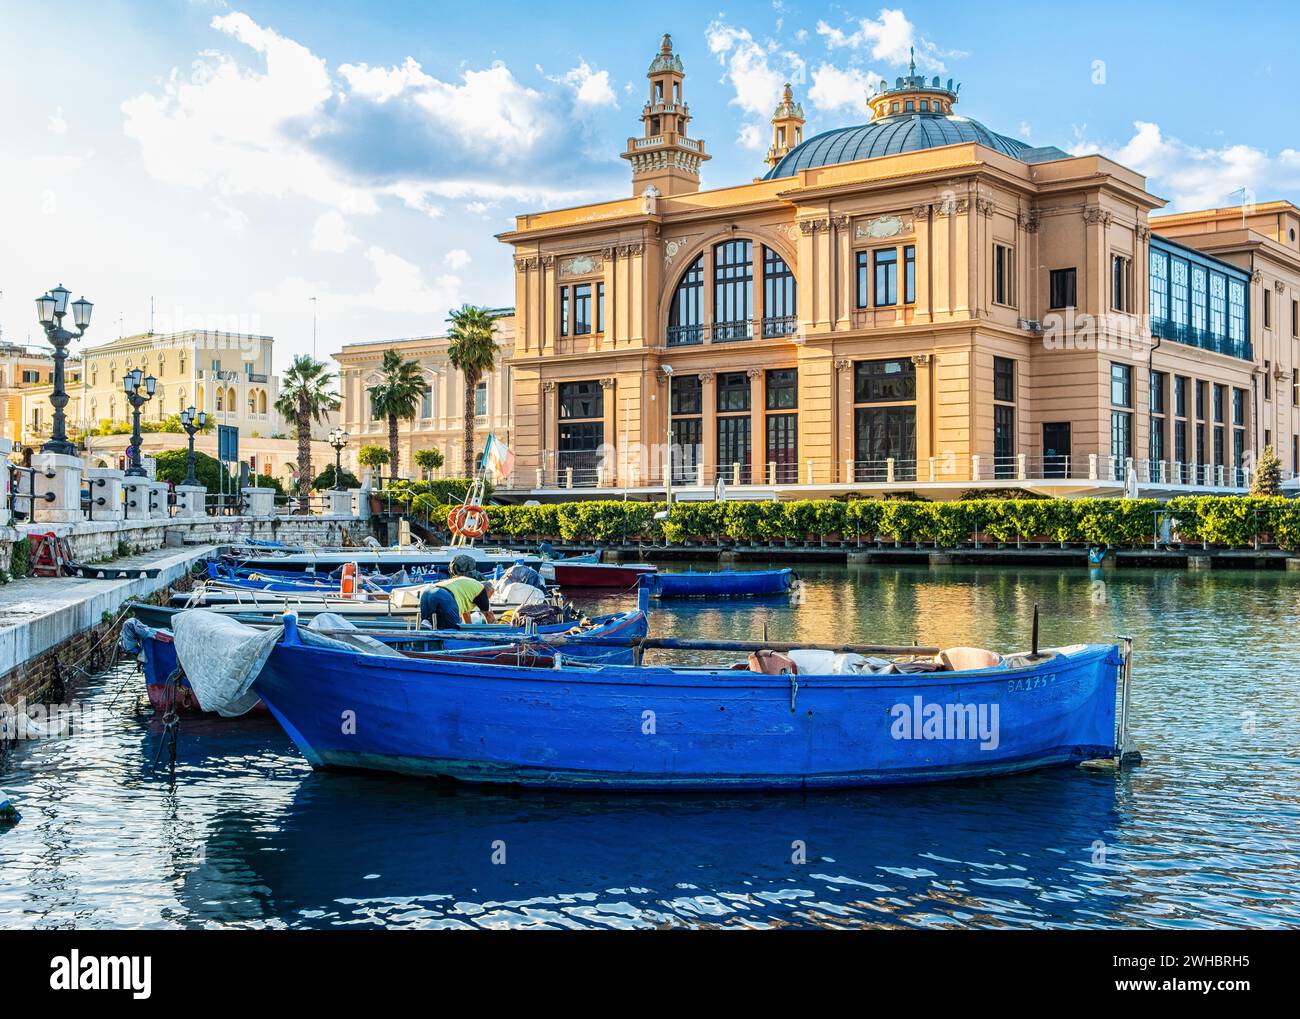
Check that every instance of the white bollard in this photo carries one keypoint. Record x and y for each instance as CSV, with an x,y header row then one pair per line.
x,y
57,487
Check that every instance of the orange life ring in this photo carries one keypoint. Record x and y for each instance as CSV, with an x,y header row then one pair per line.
x,y
348,585
468,521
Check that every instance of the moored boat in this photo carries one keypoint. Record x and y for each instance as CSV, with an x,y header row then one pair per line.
x,y
618,576
575,726
721,583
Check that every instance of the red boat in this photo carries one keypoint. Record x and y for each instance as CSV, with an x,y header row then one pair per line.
x,y
620,576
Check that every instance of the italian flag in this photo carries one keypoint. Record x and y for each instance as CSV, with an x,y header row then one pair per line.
x,y
498,457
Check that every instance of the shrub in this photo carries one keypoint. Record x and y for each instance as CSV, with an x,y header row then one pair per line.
x,y
170,466
325,479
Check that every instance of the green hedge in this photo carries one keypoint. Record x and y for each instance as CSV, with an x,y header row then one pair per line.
x,y
1220,520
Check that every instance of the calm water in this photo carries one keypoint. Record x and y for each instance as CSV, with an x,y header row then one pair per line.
x,y
1206,833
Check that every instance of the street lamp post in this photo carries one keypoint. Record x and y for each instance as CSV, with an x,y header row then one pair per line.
x,y
131,383
338,439
50,310
192,423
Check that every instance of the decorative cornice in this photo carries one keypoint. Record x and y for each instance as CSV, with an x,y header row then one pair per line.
x,y
920,358
809,227
920,212
627,250
880,227
706,376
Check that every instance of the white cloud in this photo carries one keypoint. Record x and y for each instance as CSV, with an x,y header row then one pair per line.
x,y
399,287
381,84
228,127
591,89
757,84
57,124
1195,177
331,233
835,88
889,38
751,137
456,259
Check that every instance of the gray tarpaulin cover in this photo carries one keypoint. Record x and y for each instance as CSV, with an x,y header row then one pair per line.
x,y
221,658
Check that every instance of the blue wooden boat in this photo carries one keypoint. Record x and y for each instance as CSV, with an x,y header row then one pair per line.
x,y
720,584
300,583
611,638
574,726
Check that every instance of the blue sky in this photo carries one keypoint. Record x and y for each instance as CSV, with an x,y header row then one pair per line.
x,y
233,160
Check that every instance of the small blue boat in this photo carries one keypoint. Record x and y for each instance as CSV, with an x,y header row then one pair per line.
x,y
720,584
573,726
611,636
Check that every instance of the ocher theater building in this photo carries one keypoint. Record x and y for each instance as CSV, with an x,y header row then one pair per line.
x,y
914,303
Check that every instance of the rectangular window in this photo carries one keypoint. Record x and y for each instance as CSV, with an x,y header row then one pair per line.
x,y
783,448
1157,392
1219,397
1180,444
1121,272
1121,441
480,399
600,307
1295,318
564,311
1200,305
1003,275
582,400
1237,317
1218,306
733,290
782,389
688,437
1121,385
1179,314
734,446
862,292
1004,440
1063,288
1218,446
1295,454
686,395
1295,387
1238,407
1268,381
891,381
885,263
1180,396
578,446
733,392
1004,379
909,274
879,435
582,309
426,404
1267,305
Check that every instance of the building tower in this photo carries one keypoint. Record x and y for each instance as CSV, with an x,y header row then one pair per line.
x,y
913,96
664,158
787,126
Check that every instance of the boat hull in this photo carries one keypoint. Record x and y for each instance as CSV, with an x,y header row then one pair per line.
x,y
655,728
617,576
723,584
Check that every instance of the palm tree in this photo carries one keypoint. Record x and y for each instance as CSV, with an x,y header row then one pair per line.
x,y
305,397
473,351
396,396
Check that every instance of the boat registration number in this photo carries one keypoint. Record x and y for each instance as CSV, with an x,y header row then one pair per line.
x,y
1030,683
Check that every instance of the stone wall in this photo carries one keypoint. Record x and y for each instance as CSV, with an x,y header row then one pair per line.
x,y
97,541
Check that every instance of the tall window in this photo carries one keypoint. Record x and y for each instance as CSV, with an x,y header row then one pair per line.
x,y
582,309
884,419
1003,275
1200,422
885,263
1063,288
733,423
1159,284
1156,445
581,431
1178,306
564,311
600,307
1237,317
1200,303
686,316
779,295
686,406
733,290
862,289
782,402
1121,275
1004,417
1180,423
909,274
1266,305
1220,395
481,399
1121,421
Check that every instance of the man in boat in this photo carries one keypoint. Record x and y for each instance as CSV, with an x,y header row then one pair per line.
x,y
450,603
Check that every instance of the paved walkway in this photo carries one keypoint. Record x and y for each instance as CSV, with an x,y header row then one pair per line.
x,y
38,613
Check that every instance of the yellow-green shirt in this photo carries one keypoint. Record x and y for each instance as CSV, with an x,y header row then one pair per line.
x,y
464,590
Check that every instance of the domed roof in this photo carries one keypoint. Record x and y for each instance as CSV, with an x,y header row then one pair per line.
x,y
911,132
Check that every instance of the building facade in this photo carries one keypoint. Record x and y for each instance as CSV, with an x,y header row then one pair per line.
x,y
440,422
21,368
227,375
913,303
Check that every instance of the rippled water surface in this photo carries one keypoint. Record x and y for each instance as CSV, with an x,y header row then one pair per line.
x,y
1206,833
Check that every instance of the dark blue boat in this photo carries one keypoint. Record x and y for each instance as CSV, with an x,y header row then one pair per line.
x,y
574,726
720,584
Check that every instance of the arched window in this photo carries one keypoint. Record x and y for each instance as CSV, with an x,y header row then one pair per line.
x,y
780,304
221,399
686,317
733,290
261,401
252,401
231,404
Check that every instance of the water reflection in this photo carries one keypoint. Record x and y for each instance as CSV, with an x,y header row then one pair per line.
x,y
1203,834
